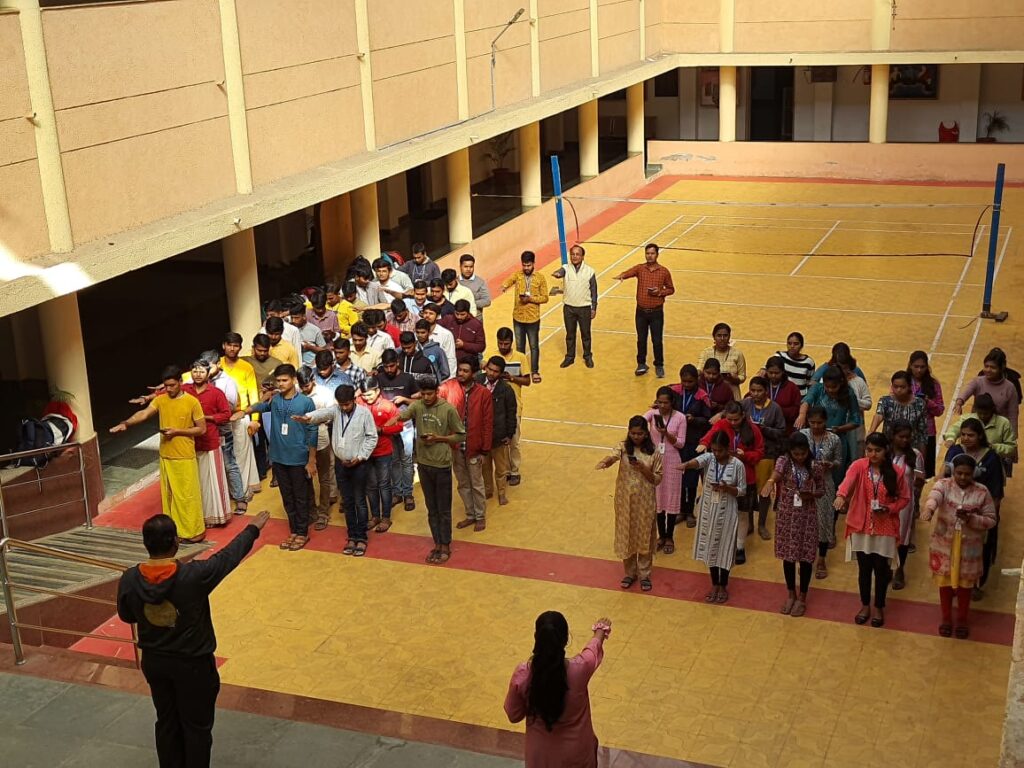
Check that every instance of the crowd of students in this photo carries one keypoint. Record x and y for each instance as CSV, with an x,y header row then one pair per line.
x,y
795,440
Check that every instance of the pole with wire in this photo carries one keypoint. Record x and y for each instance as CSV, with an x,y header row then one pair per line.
x,y
993,243
556,182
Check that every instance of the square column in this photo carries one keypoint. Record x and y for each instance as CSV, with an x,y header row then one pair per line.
x,y
241,277
878,120
61,328
365,222
529,164
727,103
460,205
635,119
589,159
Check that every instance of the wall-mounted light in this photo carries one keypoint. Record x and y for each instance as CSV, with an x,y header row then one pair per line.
x,y
494,52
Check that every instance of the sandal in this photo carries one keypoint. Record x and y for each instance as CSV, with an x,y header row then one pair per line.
x,y
691,522
645,585
670,547
723,596
298,543
627,582
373,523
443,557
879,620
322,522
350,548
383,525
432,557
787,607
962,633
536,378
287,543
946,630
862,616
799,608
710,596
241,507
360,549
821,572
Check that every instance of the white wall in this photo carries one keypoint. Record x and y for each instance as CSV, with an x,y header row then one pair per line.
x,y
1002,88
918,120
850,99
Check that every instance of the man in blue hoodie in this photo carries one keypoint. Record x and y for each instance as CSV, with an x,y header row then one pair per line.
x,y
170,603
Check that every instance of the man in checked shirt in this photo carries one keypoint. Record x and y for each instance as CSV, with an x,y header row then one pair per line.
x,y
653,284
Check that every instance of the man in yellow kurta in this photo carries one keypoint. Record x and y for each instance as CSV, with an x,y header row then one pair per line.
x,y
181,421
531,292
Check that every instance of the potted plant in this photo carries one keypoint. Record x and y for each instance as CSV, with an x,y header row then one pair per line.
x,y
501,146
995,122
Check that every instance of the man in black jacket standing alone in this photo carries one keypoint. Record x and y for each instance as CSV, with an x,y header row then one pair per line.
x,y
170,602
497,462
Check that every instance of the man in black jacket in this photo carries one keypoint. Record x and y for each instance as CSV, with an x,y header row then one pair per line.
x,y
496,463
170,602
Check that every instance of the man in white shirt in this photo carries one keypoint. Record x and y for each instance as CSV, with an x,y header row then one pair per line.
x,y
454,290
323,398
579,304
396,284
292,335
375,339
442,336
476,285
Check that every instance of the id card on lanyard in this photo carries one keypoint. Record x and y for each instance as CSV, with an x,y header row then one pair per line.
x,y
876,480
716,495
798,479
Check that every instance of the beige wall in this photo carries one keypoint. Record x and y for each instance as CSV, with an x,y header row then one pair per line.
x,y
412,47
22,220
564,42
142,122
787,25
301,78
617,25
484,20
689,26
958,26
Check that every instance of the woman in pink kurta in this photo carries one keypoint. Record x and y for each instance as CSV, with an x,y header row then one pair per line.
x,y
550,692
668,430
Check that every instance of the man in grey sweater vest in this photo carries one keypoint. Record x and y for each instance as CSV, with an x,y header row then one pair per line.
x,y
579,304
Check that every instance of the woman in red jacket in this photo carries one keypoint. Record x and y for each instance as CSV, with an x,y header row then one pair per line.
x,y
783,392
378,481
748,446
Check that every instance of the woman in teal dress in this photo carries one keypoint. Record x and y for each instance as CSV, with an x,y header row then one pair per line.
x,y
833,394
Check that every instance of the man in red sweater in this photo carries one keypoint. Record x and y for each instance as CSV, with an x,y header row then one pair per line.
x,y
477,413
468,332
378,481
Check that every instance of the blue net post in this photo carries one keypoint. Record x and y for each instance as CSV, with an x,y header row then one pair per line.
x,y
993,243
556,181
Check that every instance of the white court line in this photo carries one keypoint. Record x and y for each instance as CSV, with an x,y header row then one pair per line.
x,y
974,340
626,255
956,291
818,277
567,445
968,228
799,309
814,250
774,343
571,423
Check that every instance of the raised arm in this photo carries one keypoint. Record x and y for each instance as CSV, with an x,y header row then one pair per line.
x,y
136,418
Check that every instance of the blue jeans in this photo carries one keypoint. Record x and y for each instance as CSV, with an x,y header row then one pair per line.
x,y
352,486
378,487
401,462
531,331
236,488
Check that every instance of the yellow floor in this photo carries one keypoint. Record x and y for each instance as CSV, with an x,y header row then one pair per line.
x,y
724,686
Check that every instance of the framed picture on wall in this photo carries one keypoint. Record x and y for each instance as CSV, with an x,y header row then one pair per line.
x,y
914,81
708,81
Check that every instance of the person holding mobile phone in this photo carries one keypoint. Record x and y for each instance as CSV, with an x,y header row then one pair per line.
x,y
531,290
653,286
640,472
668,429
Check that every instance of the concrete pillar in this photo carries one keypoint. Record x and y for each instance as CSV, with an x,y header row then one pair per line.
x,y
336,236
529,164
589,159
365,222
235,91
64,351
460,202
635,143
727,103
242,280
878,121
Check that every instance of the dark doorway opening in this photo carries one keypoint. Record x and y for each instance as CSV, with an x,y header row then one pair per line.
x,y
771,104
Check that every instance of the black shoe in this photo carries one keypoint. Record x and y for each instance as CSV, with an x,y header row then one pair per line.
x,y
741,557
659,371
641,369
588,361
566,363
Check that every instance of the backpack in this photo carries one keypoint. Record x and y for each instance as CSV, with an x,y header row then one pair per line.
x,y
33,434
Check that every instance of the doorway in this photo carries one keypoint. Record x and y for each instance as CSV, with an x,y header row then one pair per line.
x,y
771,103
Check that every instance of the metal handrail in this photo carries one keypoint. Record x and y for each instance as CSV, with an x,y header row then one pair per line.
x,y
6,457
8,586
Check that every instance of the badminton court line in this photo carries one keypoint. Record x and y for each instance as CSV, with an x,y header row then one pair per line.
x,y
814,250
974,340
956,291
800,309
615,284
704,338
572,423
818,277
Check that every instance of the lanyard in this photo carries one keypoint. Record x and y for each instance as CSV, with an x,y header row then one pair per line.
x,y
757,414
773,392
799,475
876,480
687,401
719,471
735,442
345,424
816,448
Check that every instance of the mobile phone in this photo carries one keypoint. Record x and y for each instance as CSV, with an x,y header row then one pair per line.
x,y
659,422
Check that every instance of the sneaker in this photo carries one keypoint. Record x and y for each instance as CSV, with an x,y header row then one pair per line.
x,y
588,361
566,363
641,369
659,371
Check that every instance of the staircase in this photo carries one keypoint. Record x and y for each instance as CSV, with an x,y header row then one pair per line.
x,y
51,572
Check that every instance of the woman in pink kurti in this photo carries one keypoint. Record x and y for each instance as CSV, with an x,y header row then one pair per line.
x,y
550,692
668,429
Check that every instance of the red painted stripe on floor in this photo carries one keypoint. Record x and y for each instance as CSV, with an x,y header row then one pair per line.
x,y
826,180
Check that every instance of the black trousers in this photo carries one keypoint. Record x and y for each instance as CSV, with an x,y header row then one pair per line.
x,y
877,566
574,316
436,484
650,321
184,693
988,552
789,571
296,489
